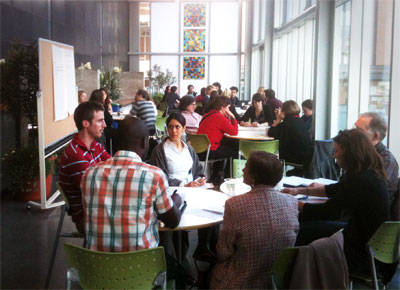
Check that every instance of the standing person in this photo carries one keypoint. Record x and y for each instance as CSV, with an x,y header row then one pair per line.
x,y
82,97
259,113
173,100
246,247
217,85
166,92
143,108
234,98
187,108
375,127
307,107
361,192
218,121
83,151
272,101
191,91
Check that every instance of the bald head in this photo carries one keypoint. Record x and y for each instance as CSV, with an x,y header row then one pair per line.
x,y
133,135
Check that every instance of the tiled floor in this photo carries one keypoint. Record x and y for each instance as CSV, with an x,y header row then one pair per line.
x,y
27,238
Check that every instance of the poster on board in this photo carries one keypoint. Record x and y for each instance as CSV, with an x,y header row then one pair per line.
x,y
65,95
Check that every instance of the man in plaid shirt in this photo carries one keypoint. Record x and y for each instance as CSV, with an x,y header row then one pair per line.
x,y
83,151
123,197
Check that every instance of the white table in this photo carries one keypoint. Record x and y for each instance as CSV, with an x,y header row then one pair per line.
x,y
198,199
118,116
252,133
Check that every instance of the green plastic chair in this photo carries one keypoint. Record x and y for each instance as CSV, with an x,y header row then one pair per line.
x,y
59,234
160,126
282,268
144,269
200,144
384,246
238,165
247,146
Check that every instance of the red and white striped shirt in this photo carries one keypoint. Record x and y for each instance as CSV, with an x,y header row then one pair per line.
x,y
120,196
74,161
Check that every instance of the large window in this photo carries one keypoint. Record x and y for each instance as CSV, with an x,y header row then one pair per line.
x,y
340,74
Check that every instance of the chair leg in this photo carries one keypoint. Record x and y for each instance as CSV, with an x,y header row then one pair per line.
x,y
373,269
54,251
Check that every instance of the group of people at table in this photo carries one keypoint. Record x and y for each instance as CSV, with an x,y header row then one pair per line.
x,y
118,201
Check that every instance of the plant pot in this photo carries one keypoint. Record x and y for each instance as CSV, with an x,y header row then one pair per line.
x,y
31,189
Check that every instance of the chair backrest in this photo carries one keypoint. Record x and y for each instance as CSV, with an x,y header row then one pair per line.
x,y
128,270
238,166
385,243
199,142
246,147
63,195
282,268
160,125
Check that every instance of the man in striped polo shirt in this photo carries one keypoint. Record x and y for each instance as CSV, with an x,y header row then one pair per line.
x,y
83,152
123,197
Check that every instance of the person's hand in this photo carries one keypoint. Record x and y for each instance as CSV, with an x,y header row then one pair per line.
x,y
176,198
255,124
196,183
316,184
244,124
291,191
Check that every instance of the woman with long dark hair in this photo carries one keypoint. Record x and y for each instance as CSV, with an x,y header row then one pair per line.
x,y
361,193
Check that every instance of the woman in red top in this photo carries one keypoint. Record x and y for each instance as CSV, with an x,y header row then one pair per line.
x,y
218,121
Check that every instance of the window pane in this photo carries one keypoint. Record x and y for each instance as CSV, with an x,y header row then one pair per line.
x,y
165,27
224,69
341,67
224,27
381,59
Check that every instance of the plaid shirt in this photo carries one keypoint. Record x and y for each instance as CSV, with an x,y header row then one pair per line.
x,y
119,197
74,161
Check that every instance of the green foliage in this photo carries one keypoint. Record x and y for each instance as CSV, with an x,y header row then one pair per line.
x,y
20,80
159,79
157,97
23,165
110,80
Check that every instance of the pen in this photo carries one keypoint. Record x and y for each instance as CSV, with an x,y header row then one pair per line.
x,y
213,211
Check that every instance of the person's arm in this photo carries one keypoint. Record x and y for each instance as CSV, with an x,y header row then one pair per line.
x,y
229,124
310,190
227,237
172,217
279,117
158,159
269,115
246,117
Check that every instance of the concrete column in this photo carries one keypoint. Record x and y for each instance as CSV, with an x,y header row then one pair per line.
x,y
268,44
325,22
134,36
249,40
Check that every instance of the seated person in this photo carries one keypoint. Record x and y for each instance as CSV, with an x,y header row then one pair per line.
x,y
177,159
375,127
173,100
124,197
257,226
83,151
273,102
295,144
207,97
234,98
307,107
259,113
191,91
143,109
187,108
200,97
82,97
217,122
361,192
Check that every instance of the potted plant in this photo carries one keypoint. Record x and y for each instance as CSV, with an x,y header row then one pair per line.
x,y
159,79
110,80
19,86
22,167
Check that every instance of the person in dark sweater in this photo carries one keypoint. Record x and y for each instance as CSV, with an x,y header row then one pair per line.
x,y
173,100
258,113
307,107
295,144
361,193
